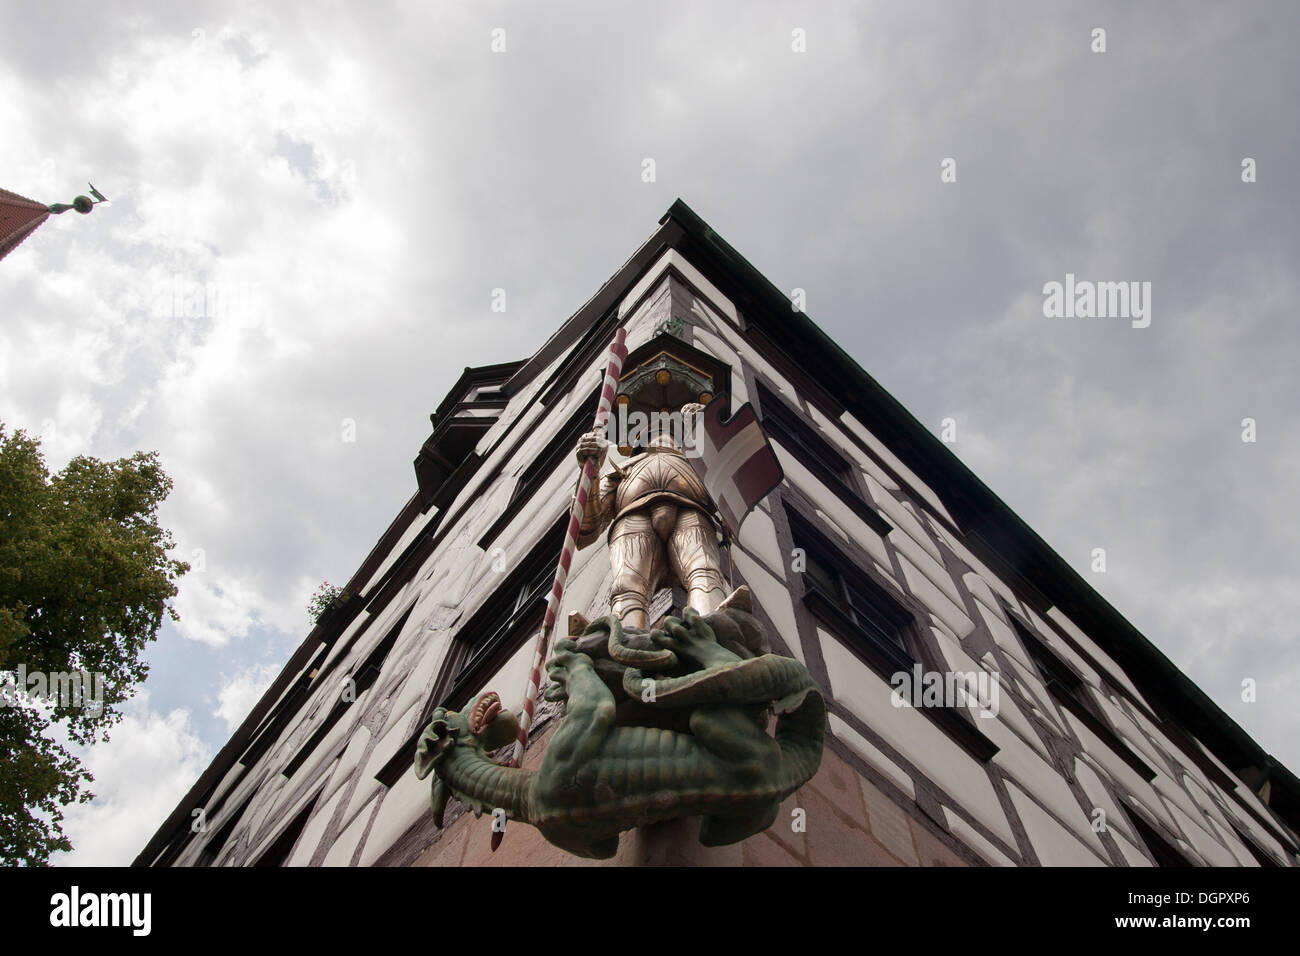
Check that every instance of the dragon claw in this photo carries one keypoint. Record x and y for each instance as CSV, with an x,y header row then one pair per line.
x,y
663,639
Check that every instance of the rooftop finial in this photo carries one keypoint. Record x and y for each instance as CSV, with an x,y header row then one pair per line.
x,y
83,204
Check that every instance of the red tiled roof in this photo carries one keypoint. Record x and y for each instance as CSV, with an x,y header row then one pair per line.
x,y
19,217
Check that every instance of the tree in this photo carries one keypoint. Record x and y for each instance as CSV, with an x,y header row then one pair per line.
x,y
85,580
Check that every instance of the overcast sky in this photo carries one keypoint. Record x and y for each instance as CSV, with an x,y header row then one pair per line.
x,y
355,180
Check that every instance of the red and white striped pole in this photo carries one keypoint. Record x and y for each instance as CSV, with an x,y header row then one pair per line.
x,y
617,353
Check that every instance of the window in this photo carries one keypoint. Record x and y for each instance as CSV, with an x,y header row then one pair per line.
x,y
342,655
557,451
1261,857
1070,691
834,589
875,625
519,614
1060,679
484,394
787,427
279,719
447,458
1164,852
363,678
212,849
581,357
800,438
508,619
277,854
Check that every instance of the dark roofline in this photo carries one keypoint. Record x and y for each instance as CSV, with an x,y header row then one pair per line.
x,y
976,508
664,238
472,375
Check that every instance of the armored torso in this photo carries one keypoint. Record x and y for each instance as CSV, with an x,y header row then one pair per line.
x,y
659,475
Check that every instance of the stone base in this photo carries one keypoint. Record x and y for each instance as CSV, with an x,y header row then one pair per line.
x,y
845,821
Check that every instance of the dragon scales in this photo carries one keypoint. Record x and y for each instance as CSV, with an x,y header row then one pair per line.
x,y
658,725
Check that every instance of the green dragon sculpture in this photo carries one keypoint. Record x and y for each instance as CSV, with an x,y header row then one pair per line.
x,y
658,725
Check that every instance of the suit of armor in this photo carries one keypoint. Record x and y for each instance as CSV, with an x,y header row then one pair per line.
x,y
662,532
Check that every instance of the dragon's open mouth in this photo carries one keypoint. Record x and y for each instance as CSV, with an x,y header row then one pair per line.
x,y
485,711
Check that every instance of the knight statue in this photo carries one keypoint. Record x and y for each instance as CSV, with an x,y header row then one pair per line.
x,y
663,528
659,723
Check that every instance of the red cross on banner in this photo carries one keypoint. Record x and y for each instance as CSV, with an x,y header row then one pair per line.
x,y
733,459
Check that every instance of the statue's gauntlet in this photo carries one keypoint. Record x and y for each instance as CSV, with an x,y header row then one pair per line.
x,y
600,497
600,505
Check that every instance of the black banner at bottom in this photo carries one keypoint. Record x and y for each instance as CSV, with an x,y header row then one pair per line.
x,y
140,906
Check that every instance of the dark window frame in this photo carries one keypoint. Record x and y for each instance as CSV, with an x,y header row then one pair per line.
x,y
885,659
521,595
524,618
502,624
1262,856
282,847
823,460
365,676
278,721
1165,854
1070,691
1182,740
217,842
547,462
579,358
851,582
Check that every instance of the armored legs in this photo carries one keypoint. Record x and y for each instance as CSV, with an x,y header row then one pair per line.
x,y
665,542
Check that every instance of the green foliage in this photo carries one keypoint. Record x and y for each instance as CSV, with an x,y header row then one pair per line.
x,y
326,598
84,582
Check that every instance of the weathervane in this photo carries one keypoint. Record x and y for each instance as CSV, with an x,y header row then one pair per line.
x,y
83,204
20,216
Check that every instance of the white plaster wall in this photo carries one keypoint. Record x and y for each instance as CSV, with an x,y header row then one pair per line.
x,y
910,733
1054,844
872,754
915,484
